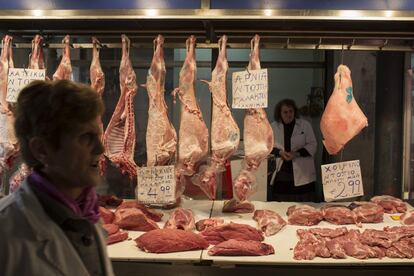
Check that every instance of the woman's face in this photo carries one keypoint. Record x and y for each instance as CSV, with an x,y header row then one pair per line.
x,y
287,113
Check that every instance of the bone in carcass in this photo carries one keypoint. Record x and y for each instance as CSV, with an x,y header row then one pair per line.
x,y
225,134
181,218
119,137
203,224
193,133
161,136
64,70
235,206
152,214
258,136
218,234
8,140
133,219
304,215
170,240
390,204
269,222
241,248
342,118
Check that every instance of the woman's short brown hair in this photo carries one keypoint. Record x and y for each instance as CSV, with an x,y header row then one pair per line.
x,y
48,109
287,102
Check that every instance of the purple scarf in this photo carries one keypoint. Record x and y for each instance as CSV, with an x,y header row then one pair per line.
x,y
85,206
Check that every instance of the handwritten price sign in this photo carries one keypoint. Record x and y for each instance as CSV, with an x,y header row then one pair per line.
x,y
250,89
342,180
18,78
156,185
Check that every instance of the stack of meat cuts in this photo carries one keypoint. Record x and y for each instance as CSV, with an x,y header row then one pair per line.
x,y
119,137
113,231
367,212
269,222
258,137
241,248
225,134
161,136
390,204
342,118
218,234
8,140
338,214
304,215
170,240
64,70
182,219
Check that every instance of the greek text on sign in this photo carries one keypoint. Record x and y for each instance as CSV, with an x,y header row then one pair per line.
x,y
250,89
19,78
342,180
156,185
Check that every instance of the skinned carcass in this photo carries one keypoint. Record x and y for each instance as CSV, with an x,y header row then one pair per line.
x,y
64,70
119,137
342,118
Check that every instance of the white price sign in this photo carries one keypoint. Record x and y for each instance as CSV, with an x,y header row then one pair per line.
x,y
342,180
156,185
250,89
18,78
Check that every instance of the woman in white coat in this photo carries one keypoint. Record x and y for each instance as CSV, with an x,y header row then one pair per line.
x,y
295,145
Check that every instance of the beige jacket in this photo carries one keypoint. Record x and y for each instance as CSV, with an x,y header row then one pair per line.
x,y
32,244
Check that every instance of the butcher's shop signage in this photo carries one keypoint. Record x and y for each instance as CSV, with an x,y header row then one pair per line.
x,y
342,180
250,89
18,78
156,185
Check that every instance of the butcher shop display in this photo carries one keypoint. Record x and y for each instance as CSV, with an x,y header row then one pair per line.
x,y
342,118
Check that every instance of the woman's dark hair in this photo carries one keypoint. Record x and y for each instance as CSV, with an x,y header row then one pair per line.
x,y
278,108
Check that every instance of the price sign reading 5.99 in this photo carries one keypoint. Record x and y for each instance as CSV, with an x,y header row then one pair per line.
x,y
342,180
156,185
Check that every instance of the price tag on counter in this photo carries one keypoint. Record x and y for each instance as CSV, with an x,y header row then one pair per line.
x,y
156,185
18,78
250,89
342,180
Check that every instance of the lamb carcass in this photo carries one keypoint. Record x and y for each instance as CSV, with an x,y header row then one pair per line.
x,y
225,134
119,137
342,118
193,133
161,135
64,70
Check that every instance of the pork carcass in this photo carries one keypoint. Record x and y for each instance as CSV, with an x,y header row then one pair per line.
x,y
225,134
258,135
390,204
119,137
193,133
304,215
241,248
133,219
161,136
8,140
408,218
342,118
181,218
170,240
203,224
218,234
64,70
269,222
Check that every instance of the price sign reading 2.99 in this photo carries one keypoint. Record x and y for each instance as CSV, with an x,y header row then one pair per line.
x,y
156,185
342,180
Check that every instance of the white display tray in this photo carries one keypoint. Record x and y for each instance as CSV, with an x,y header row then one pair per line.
x,y
285,241
128,251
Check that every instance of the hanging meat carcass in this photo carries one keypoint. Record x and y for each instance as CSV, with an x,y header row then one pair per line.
x,y
225,134
193,133
64,70
119,137
8,140
258,137
342,118
161,136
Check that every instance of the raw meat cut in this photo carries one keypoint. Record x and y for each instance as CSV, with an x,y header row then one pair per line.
x,y
170,240
304,215
225,134
235,206
338,214
390,204
269,222
119,138
107,215
342,118
367,212
133,219
64,70
193,133
110,228
109,200
161,136
181,218
241,248
407,218
114,233
244,185
203,224
152,214
218,234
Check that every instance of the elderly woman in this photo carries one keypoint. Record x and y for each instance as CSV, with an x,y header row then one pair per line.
x,y
295,145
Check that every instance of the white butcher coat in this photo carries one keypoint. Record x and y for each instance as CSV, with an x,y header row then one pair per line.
x,y
302,137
